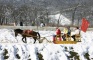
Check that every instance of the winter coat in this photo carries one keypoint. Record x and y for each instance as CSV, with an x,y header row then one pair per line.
x,y
58,32
77,31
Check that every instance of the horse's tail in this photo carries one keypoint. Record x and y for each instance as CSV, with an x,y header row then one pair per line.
x,y
38,35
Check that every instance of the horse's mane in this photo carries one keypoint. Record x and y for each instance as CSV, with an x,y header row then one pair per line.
x,y
18,30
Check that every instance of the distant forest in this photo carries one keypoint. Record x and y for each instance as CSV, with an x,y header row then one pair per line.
x,y
34,12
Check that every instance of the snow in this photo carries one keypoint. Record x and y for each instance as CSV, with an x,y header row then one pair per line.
x,y
17,50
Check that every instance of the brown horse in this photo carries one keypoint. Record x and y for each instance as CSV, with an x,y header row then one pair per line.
x,y
27,33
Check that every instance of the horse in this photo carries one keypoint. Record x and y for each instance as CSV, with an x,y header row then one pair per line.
x,y
27,33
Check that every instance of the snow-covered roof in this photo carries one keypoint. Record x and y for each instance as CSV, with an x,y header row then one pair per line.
x,y
62,19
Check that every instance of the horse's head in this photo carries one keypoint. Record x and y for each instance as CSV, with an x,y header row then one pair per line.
x,y
15,33
18,31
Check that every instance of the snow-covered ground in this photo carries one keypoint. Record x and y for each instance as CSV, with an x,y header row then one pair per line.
x,y
12,48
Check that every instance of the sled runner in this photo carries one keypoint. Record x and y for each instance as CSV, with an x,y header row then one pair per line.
x,y
66,42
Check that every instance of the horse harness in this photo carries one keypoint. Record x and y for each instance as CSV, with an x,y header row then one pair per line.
x,y
27,31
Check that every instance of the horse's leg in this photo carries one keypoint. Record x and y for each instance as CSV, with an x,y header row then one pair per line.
x,y
23,40
34,39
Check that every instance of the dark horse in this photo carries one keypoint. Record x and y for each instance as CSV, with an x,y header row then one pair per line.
x,y
25,34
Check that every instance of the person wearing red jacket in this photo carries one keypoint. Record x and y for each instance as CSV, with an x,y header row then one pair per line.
x,y
58,31
58,34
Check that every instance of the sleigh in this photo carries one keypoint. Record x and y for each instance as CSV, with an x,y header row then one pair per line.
x,y
68,40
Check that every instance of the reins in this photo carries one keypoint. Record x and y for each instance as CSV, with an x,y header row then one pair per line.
x,y
29,35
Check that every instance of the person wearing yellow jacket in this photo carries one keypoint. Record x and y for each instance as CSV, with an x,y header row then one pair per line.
x,y
67,32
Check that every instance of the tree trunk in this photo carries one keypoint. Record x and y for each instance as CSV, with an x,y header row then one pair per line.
x,y
73,16
58,21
